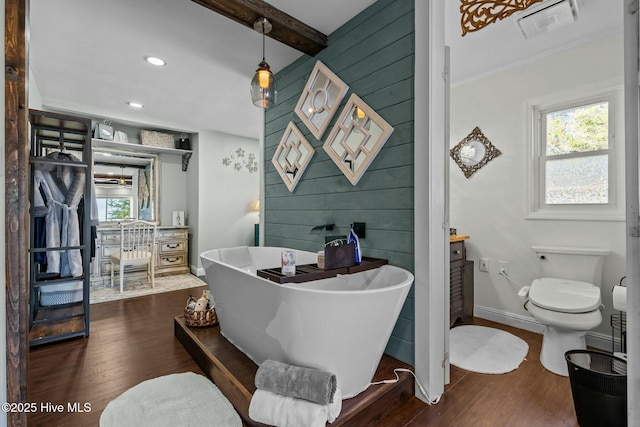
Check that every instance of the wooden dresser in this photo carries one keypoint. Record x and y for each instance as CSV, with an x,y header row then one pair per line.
x,y
173,244
172,256
461,281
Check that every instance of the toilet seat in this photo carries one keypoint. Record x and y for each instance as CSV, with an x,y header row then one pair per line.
x,y
564,296
566,321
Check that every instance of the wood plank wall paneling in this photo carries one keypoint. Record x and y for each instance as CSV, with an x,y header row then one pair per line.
x,y
16,158
373,54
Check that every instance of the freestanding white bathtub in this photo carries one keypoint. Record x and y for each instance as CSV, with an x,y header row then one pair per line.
x,y
341,325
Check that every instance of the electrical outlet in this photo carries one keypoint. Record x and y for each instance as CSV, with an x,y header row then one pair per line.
x,y
484,264
360,229
503,266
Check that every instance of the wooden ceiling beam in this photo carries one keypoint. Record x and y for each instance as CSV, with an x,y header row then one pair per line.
x,y
286,28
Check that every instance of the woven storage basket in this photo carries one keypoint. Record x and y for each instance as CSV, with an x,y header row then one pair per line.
x,y
199,318
156,139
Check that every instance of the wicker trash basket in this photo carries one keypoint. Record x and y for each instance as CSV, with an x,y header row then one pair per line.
x,y
200,318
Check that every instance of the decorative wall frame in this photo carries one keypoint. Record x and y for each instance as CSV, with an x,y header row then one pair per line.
x,y
320,99
357,138
292,156
477,14
473,152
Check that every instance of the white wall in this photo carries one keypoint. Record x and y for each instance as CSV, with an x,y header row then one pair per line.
x,y
490,205
173,184
224,195
35,100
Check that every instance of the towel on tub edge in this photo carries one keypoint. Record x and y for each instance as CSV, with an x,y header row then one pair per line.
x,y
309,384
285,411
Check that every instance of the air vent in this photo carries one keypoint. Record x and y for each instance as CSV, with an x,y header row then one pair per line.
x,y
546,17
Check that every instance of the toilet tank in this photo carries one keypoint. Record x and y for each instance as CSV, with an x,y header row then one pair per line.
x,y
583,264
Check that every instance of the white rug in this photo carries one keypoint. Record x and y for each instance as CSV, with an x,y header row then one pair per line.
x,y
485,350
185,399
134,288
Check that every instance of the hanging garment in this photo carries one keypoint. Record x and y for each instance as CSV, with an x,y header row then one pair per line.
x,y
61,188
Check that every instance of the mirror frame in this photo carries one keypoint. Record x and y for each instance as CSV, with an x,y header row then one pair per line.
x,y
490,152
356,118
291,142
155,160
312,91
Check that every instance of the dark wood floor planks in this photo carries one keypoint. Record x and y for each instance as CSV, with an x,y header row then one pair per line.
x,y
528,396
133,340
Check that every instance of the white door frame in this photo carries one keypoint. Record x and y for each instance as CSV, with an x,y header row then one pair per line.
x,y
431,224
632,113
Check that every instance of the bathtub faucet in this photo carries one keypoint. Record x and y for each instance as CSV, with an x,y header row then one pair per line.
x,y
318,228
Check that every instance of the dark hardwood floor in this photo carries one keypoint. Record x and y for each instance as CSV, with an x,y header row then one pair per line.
x,y
130,341
133,340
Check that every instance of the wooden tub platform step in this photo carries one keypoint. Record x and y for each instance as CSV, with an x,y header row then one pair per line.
x,y
233,372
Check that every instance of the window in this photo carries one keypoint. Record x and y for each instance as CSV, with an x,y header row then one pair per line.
x,y
113,209
575,160
116,198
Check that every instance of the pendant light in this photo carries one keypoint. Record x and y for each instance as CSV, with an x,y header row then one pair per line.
x,y
263,85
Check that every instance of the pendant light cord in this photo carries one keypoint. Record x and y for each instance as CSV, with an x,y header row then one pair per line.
x,y
263,38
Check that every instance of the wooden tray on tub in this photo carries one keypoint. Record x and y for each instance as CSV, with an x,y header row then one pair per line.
x,y
309,272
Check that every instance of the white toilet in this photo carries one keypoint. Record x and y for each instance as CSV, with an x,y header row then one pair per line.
x,y
566,300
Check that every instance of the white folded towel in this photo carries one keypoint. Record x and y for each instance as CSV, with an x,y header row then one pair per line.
x,y
334,407
283,411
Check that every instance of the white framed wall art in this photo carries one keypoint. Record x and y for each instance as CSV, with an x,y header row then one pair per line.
x,y
292,156
320,99
356,139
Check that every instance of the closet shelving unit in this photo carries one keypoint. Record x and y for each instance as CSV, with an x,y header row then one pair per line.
x,y
63,318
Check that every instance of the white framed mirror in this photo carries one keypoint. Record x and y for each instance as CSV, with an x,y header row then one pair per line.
x,y
357,138
320,99
126,185
473,152
292,156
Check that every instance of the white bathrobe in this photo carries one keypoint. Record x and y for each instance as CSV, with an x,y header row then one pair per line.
x,y
59,189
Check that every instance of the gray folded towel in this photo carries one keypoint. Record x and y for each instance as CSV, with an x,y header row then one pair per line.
x,y
309,384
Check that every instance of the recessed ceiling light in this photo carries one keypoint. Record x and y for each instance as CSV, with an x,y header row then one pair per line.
x,y
158,62
135,104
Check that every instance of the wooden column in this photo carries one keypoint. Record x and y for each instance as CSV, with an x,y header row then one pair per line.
x,y
16,225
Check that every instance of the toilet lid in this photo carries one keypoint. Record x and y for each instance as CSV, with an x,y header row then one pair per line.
x,y
568,296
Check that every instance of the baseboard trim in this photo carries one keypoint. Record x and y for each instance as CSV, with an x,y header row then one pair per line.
x,y
196,271
593,339
511,319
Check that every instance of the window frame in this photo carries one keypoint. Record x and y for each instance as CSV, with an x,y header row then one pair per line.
x,y
118,197
536,206
114,191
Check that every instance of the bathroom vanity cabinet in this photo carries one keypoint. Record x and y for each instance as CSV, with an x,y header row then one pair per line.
x,y
461,281
172,256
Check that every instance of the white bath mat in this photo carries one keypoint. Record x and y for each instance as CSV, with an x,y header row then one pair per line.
x,y
185,399
485,350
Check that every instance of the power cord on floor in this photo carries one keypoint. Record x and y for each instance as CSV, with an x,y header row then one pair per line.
x,y
395,371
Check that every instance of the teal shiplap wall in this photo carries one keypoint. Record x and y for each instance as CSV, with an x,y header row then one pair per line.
x,y
374,54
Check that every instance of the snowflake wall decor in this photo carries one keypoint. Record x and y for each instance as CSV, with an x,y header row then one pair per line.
x,y
238,160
